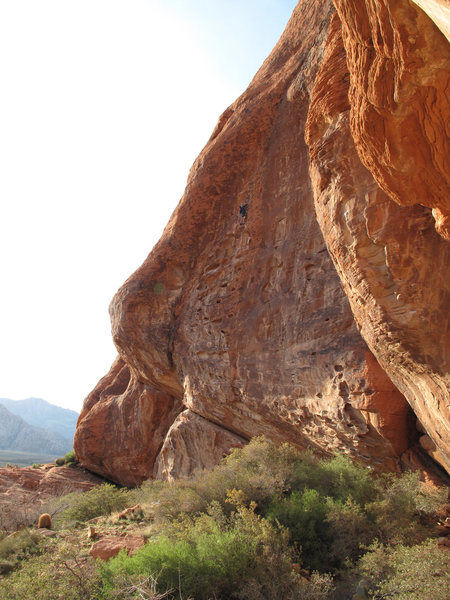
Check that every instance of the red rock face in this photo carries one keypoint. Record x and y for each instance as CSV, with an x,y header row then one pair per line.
x,y
124,423
238,323
394,267
193,444
399,65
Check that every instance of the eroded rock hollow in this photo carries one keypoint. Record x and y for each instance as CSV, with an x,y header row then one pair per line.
x,y
301,288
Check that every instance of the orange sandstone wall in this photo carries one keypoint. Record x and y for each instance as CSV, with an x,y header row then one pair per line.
x,y
289,295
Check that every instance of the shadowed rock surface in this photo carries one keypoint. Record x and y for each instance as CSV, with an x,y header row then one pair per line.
x,y
290,295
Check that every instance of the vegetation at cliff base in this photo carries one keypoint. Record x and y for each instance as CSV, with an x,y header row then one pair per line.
x,y
267,523
100,500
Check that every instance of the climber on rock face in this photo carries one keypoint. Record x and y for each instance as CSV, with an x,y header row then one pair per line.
x,y
243,210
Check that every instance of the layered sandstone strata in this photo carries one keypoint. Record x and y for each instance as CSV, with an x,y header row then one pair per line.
x,y
255,315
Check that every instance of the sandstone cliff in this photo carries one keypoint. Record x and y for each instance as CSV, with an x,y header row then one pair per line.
x,y
301,287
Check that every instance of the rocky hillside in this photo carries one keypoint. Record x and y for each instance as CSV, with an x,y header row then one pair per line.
x,y
39,413
19,436
301,287
24,490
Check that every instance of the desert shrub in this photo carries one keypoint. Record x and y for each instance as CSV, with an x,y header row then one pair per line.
x,y
350,531
99,501
142,587
56,507
338,508
260,470
165,500
190,566
69,458
406,572
331,507
213,555
263,472
318,587
405,509
303,514
327,521
16,517
338,478
19,545
327,532
56,574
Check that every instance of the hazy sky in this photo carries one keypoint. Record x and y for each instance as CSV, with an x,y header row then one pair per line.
x,y
104,106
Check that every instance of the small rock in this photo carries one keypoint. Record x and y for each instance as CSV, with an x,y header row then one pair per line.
x,y
108,547
6,567
47,532
131,512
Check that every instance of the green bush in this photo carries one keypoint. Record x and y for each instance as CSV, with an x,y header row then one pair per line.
x,y
260,470
332,508
327,532
214,556
405,510
324,511
69,458
165,500
338,478
350,530
406,572
303,514
101,500
318,587
56,574
21,544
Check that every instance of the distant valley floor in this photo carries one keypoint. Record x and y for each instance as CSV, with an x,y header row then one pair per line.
x,y
24,459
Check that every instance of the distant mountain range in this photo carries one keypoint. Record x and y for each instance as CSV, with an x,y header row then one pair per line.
x,y
39,413
34,425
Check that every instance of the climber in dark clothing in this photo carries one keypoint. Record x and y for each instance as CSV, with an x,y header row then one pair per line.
x,y
243,210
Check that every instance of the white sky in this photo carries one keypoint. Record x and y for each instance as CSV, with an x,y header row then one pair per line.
x,y
104,105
